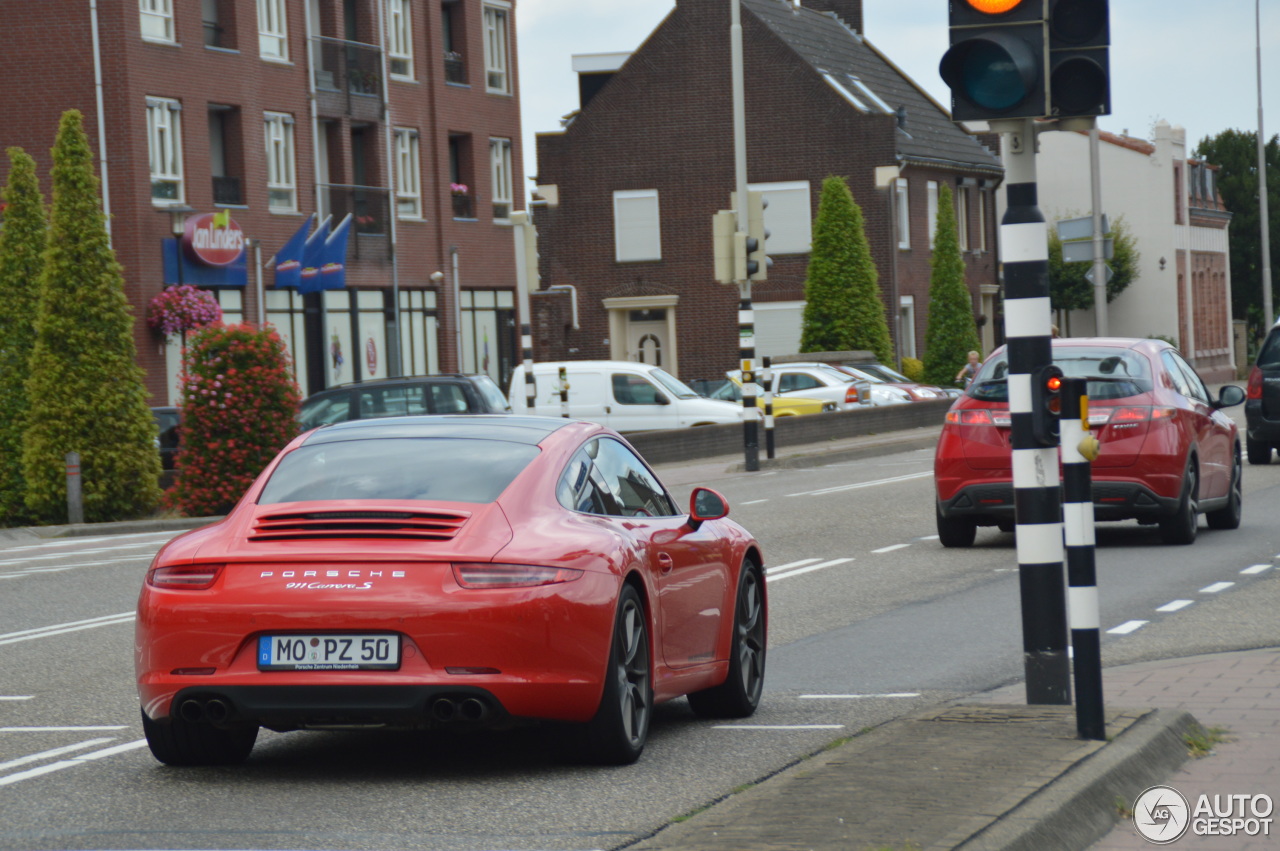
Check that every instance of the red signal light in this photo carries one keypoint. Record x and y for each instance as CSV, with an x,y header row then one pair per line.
x,y
993,7
1054,383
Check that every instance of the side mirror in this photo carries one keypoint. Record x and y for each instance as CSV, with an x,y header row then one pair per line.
x,y
1230,395
705,504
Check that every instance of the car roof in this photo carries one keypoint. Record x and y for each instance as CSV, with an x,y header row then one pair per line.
x,y
514,429
404,379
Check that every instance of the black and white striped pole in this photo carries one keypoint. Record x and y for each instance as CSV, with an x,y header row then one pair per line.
x,y
1079,449
766,378
527,280
1024,252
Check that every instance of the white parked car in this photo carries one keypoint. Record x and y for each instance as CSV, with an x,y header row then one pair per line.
x,y
623,395
815,381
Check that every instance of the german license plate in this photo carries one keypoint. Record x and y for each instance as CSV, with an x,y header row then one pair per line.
x,y
328,652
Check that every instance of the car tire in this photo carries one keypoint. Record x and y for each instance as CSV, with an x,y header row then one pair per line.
x,y
1259,452
956,531
739,695
617,734
1181,527
178,742
1228,517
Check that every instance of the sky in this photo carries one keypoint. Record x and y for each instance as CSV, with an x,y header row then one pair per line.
x,y
1190,63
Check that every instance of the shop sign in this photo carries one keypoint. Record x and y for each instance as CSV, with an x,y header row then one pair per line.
x,y
213,239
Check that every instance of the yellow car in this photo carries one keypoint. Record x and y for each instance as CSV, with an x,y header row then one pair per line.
x,y
783,406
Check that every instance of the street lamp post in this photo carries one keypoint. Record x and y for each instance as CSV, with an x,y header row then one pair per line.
x,y
1267,311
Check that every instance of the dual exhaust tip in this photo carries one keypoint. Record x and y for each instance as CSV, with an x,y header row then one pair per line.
x,y
213,710
469,709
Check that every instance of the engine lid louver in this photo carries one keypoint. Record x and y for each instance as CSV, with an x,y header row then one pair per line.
x,y
401,525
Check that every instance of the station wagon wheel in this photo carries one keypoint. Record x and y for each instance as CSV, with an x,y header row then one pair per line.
x,y
616,736
179,742
1228,517
1259,452
739,695
955,531
1181,527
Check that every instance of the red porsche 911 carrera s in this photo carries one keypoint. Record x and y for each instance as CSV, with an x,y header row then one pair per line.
x,y
450,571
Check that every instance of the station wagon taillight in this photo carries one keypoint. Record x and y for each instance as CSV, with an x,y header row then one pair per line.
x,y
1254,390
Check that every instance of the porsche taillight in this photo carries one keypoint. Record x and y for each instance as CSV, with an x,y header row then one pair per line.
x,y
511,575
188,577
1254,390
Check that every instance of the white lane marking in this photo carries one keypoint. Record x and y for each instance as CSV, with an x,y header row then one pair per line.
x,y
928,538
778,568
858,696
858,485
91,552
33,570
98,729
16,696
71,763
1175,605
1256,569
778,727
59,629
753,502
75,542
1128,627
890,549
808,569
1216,587
36,757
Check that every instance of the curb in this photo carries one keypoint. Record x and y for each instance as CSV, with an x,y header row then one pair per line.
x,y
122,527
1080,806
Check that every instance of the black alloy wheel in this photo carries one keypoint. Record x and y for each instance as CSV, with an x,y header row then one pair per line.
x,y
178,742
1182,525
1228,517
616,736
739,695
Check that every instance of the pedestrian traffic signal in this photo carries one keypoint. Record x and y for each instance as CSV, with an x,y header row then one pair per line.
x,y
1046,404
996,64
723,224
1079,68
758,261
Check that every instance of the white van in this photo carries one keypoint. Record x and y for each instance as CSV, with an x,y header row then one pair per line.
x,y
623,395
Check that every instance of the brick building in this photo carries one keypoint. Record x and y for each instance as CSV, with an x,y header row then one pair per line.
x,y
1171,205
403,113
638,171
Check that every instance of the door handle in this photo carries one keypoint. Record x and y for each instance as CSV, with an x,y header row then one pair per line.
x,y
665,563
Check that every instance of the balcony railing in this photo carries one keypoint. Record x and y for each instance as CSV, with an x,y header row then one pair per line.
x,y
226,190
463,208
350,68
370,208
454,69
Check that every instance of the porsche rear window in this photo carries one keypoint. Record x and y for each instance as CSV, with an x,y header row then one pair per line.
x,y
1112,373
447,469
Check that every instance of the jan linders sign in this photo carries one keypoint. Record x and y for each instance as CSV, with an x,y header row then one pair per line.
x,y
213,239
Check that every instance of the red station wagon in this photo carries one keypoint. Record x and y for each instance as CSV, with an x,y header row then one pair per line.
x,y
1168,453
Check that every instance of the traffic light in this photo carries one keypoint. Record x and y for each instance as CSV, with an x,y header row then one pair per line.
x,y
531,255
758,262
996,64
722,228
1079,68
1046,404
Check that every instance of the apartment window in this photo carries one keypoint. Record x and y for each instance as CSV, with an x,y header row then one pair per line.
x,y
495,49
164,143
273,29
156,19
282,186
218,17
453,30
500,173
399,39
226,161
931,212
408,181
962,216
904,214
636,234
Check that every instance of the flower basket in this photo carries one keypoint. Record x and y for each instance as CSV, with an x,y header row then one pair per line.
x,y
180,309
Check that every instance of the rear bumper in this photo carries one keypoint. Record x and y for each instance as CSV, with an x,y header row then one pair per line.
x,y
992,502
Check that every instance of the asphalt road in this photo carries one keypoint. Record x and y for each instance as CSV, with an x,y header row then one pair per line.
x,y
871,618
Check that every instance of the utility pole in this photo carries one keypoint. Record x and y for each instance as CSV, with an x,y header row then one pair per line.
x,y
1099,260
1268,314
746,316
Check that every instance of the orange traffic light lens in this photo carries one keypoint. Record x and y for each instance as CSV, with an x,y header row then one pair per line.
x,y
1054,383
994,7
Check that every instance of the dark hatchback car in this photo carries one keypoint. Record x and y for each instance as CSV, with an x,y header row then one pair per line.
x,y
1262,405
451,393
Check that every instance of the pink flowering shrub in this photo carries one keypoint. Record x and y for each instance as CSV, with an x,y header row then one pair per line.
x,y
238,405
182,308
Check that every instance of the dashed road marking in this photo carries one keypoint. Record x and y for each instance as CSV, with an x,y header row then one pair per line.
x,y
1175,605
1256,569
71,763
50,754
799,570
891,548
1216,587
1127,627
858,696
59,629
857,485
778,727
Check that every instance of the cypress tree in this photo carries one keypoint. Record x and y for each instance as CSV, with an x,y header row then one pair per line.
x,y
951,332
843,310
22,244
85,388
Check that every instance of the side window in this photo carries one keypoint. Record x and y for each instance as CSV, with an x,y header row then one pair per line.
x,y
1175,372
333,409
581,486
447,399
797,381
635,390
633,487
1196,388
